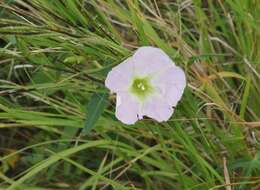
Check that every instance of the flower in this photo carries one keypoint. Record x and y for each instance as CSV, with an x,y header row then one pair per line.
x,y
146,84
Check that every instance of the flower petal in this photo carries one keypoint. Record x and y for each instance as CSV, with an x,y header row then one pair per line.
x,y
157,109
127,108
149,60
170,84
120,77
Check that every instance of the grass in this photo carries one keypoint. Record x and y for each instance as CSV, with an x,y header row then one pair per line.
x,y
54,57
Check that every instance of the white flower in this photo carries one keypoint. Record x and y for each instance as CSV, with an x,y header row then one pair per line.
x,y
146,84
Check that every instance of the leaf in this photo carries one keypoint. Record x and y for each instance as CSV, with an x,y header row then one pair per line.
x,y
245,98
95,108
225,74
74,59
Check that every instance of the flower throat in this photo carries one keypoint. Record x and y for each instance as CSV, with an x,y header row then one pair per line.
x,y
141,87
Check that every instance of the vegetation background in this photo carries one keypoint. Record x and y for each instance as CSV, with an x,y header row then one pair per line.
x,y
54,57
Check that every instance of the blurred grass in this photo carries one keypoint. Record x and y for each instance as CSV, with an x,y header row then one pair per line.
x,y
54,55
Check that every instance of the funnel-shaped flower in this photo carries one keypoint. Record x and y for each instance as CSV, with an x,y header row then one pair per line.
x,y
146,84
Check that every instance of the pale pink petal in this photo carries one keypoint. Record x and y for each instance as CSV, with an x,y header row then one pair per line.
x,y
149,60
157,109
127,108
120,77
170,84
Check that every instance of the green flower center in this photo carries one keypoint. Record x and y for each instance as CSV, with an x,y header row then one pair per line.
x,y
141,87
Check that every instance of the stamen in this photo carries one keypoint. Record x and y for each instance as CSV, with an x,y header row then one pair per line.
x,y
141,86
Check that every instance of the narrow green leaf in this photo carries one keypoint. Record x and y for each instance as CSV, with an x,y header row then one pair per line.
x,y
245,98
95,108
74,59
